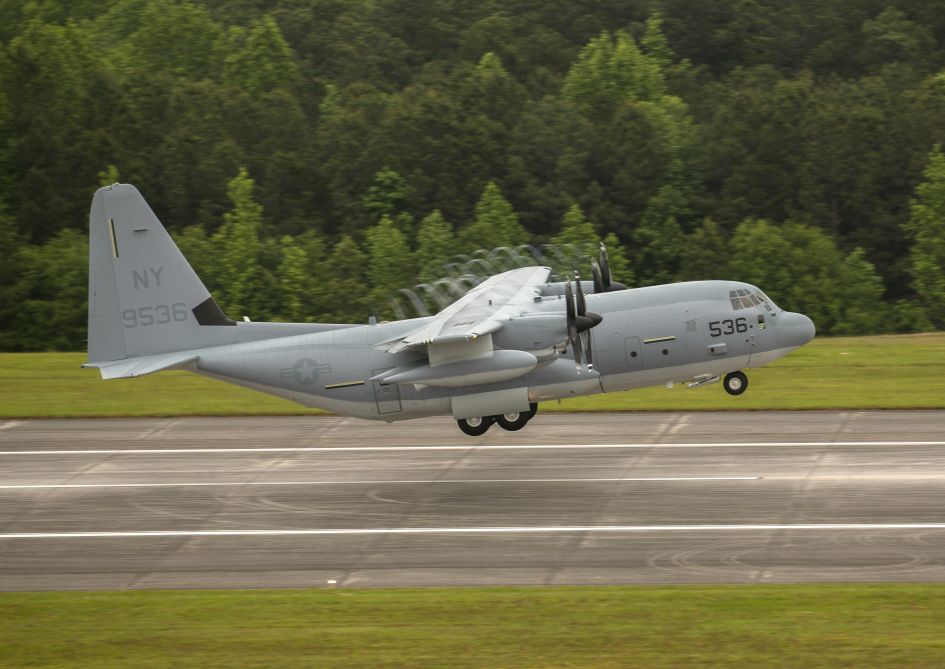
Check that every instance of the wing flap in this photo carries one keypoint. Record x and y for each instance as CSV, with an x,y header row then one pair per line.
x,y
481,311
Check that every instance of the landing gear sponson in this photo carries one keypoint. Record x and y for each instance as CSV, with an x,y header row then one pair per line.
x,y
508,421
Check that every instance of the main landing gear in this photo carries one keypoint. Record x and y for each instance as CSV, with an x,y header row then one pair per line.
x,y
508,421
735,383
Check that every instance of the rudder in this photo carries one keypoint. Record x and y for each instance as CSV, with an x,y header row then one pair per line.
x,y
144,297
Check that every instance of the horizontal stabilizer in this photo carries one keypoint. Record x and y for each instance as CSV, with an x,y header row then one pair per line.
x,y
148,364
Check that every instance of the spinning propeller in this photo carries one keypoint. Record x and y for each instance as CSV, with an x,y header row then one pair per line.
x,y
600,269
580,322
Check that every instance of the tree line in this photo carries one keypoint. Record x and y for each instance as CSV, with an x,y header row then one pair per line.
x,y
313,157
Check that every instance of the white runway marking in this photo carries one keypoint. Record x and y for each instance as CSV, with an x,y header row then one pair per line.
x,y
472,447
368,482
9,424
554,529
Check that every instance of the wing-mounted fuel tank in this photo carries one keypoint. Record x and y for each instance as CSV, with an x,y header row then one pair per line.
x,y
499,366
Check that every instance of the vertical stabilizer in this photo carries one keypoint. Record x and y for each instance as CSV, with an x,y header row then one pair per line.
x,y
144,297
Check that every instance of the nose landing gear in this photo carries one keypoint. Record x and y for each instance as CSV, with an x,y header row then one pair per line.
x,y
514,421
735,383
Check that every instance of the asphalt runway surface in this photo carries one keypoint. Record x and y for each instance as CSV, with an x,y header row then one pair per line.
x,y
646,498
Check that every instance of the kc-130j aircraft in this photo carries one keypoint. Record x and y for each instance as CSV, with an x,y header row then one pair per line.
x,y
490,357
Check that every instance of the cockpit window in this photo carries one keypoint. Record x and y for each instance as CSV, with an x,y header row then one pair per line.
x,y
746,299
769,305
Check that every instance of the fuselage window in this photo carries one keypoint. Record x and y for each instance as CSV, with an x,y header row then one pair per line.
x,y
761,321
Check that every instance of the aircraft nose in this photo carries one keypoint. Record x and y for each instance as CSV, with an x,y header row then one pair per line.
x,y
794,330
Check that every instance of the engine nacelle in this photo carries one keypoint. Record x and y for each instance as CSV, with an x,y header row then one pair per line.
x,y
538,333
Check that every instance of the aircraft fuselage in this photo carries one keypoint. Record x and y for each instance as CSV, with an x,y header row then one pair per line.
x,y
682,332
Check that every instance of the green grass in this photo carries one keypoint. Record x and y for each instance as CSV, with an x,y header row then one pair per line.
x,y
592,627
884,372
887,372
51,385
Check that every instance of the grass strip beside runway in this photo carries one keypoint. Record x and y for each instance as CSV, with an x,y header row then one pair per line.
x,y
804,626
885,372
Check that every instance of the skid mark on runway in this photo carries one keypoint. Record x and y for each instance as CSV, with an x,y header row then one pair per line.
x,y
681,423
158,430
405,511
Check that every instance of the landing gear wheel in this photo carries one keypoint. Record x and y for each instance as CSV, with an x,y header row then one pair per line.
x,y
532,410
735,383
513,421
475,426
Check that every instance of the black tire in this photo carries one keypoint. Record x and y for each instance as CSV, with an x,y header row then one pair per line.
x,y
475,427
532,410
735,383
513,421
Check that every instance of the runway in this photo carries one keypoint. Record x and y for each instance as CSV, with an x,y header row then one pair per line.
x,y
733,497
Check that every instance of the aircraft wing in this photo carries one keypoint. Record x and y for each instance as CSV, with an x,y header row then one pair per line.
x,y
481,311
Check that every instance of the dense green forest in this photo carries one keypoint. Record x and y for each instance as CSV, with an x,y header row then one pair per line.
x,y
313,156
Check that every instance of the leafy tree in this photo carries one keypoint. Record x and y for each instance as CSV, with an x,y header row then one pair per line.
x,y
821,115
108,176
138,36
658,241
802,270
496,223
645,145
259,59
294,280
704,253
891,36
237,242
346,166
387,196
12,286
390,261
578,241
315,270
52,294
654,43
611,69
342,287
926,227
578,232
909,316
435,244
861,308
493,92
63,93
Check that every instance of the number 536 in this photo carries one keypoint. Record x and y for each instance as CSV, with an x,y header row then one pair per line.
x,y
728,326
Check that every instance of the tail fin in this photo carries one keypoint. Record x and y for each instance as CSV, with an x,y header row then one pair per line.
x,y
144,298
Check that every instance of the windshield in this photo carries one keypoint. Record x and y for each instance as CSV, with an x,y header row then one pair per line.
x,y
745,298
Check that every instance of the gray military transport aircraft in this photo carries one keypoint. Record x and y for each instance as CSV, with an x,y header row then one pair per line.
x,y
490,357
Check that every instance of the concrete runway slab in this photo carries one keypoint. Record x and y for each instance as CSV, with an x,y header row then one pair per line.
x,y
734,497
